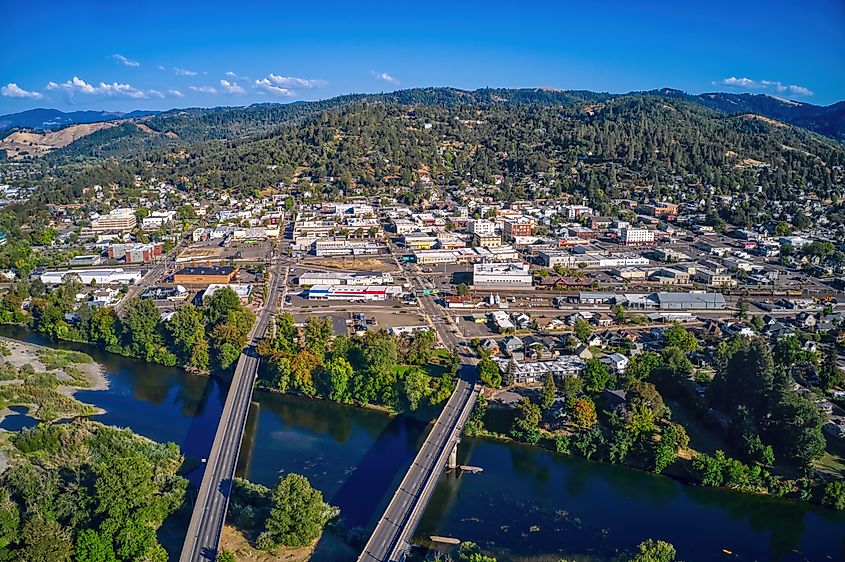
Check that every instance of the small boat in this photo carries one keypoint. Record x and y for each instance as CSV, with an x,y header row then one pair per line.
x,y
726,551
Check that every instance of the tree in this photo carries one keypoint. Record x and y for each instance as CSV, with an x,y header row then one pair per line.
x,y
186,328
655,551
225,556
317,334
549,392
302,366
582,329
220,304
463,289
678,336
415,386
298,514
469,552
830,376
420,347
584,413
475,423
526,426
93,547
834,495
674,437
641,367
338,373
44,540
489,374
597,376
742,308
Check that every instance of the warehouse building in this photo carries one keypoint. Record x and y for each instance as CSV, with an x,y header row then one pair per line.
x,y
352,293
112,276
243,290
512,274
343,278
205,275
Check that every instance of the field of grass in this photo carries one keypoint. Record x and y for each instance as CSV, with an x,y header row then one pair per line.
x,y
60,358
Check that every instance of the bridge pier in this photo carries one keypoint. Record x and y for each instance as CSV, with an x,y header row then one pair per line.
x,y
452,463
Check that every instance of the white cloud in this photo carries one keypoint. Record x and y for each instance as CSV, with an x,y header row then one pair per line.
x,y
765,85
154,94
203,89
12,90
125,61
384,76
267,86
288,81
175,94
115,89
185,72
161,67
236,76
231,87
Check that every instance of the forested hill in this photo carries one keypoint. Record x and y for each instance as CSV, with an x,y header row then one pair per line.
x,y
184,127
596,148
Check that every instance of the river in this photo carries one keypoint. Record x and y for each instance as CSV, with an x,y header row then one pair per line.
x,y
528,504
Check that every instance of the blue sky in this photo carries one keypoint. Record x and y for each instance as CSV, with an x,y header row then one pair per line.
x,y
149,54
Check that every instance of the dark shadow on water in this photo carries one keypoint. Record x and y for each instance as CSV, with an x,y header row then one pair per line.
x,y
363,495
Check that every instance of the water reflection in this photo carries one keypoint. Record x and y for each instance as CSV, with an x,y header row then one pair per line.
x,y
527,504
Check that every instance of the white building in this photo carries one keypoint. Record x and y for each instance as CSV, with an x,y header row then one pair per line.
x,y
157,219
482,227
243,290
119,220
511,274
112,276
637,236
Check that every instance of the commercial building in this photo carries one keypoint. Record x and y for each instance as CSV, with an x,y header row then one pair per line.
x,y
342,278
482,227
513,274
352,293
486,240
418,240
465,255
632,236
713,278
136,253
344,247
205,275
158,219
119,220
517,228
243,290
111,276
693,300
532,372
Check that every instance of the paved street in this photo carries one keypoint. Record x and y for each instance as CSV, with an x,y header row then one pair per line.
x,y
395,529
203,537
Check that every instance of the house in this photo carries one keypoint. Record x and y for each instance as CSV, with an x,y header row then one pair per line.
x,y
601,319
583,352
616,399
491,346
616,361
513,344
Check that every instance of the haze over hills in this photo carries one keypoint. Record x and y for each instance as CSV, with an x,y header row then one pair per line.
x,y
52,119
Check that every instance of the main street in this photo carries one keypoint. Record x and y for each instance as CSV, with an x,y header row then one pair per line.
x,y
203,536
395,529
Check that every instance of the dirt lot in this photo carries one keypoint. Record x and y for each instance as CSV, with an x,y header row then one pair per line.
x,y
392,318
327,548
374,265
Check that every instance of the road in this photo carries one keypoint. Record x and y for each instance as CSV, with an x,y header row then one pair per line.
x,y
395,529
203,536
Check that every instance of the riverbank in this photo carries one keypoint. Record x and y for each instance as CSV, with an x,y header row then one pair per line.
x,y
38,383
